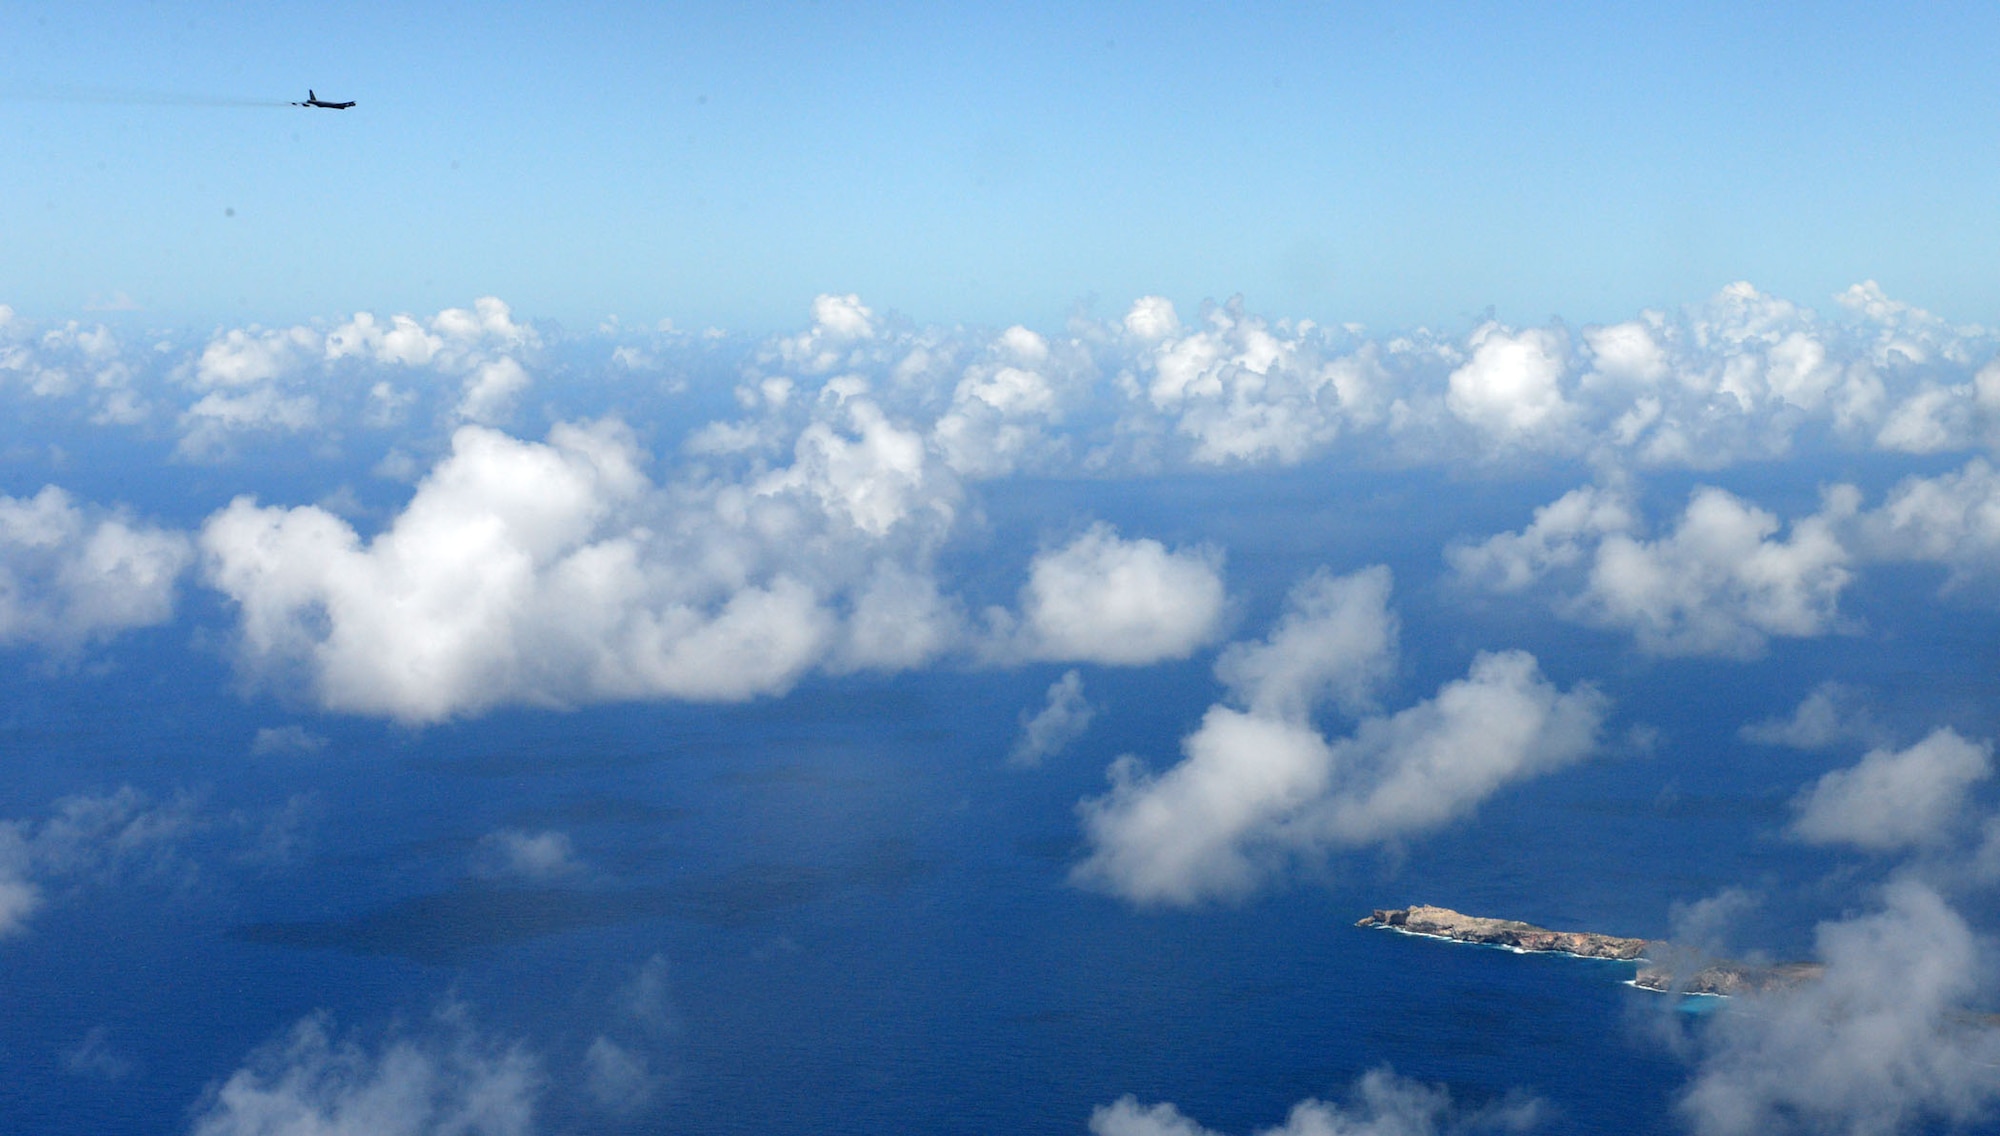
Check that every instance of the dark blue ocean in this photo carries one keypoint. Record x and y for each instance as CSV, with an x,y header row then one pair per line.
x,y
862,912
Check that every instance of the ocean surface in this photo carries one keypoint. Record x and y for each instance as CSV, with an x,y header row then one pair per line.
x,y
860,914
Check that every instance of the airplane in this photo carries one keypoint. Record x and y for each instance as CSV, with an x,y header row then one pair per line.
x,y
313,100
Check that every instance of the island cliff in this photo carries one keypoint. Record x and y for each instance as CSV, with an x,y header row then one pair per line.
x,y
1668,975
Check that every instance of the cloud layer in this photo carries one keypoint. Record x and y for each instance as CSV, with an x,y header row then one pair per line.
x,y
802,533
1741,376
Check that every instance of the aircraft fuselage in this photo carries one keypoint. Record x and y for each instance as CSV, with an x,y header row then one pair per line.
x,y
313,100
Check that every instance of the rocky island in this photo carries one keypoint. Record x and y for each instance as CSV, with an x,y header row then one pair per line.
x,y
1444,923
1667,974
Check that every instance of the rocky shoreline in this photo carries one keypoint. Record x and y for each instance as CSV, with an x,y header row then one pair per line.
x,y
1658,970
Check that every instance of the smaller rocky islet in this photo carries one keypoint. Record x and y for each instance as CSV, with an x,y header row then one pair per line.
x,y
1656,972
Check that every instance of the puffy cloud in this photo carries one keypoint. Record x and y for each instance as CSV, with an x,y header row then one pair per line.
x,y
899,619
211,422
1335,643
71,575
1152,317
1720,583
403,341
1261,785
556,573
75,360
489,323
511,853
841,325
425,618
1723,581
1382,1104
1952,519
455,340
1511,387
1208,826
505,578
1563,534
1628,353
1010,390
1894,799
1005,406
451,1081
1104,599
1701,928
254,379
1243,390
644,999
490,391
1882,1043
1933,418
875,476
842,316
242,357
1061,721
1438,759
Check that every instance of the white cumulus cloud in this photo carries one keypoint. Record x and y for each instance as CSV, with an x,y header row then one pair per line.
x,y
557,573
1882,1043
1261,785
1335,643
71,575
1895,799
1512,385
1721,582
1104,599
1952,519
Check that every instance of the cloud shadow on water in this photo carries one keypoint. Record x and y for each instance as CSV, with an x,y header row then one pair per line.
x,y
446,928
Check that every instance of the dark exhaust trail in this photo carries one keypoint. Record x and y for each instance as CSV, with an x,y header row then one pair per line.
x,y
104,96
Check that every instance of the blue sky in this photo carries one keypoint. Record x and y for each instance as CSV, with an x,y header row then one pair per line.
x,y
1333,162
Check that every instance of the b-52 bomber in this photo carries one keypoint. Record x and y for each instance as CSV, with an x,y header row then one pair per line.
x,y
313,100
